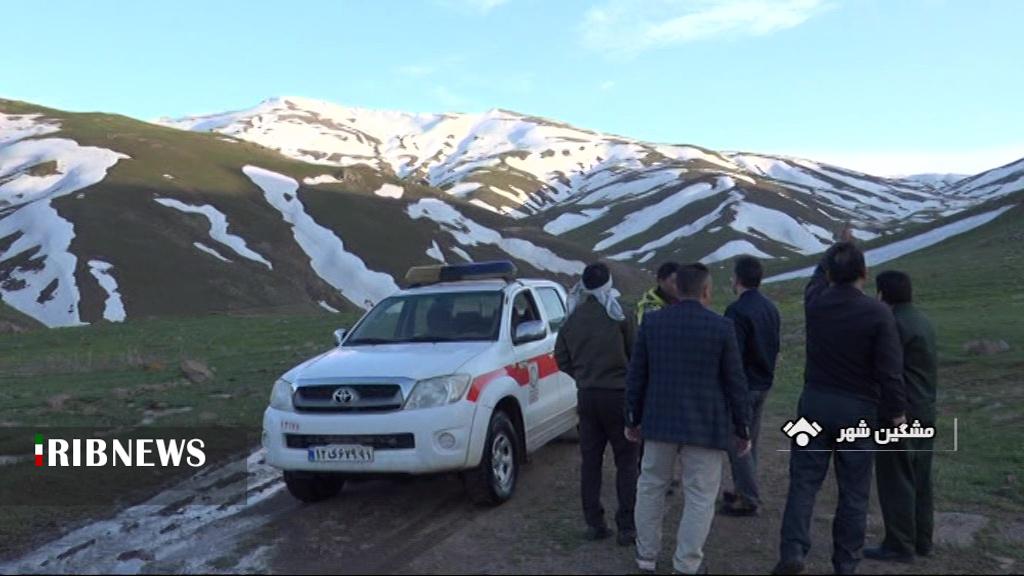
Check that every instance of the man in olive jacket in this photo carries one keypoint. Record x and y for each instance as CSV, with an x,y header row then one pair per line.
x,y
593,347
905,477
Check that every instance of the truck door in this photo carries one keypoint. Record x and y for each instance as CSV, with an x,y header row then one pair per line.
x,y
535,369
553,304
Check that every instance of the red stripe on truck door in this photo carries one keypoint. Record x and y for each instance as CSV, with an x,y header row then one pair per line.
x,y
520,372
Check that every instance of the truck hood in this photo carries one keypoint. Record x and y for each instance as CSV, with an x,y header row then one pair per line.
x,y
416,361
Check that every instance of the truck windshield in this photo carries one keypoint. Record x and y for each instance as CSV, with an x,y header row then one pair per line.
x,y
437,317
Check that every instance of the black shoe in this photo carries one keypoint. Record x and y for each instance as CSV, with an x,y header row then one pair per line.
x,y
728,497
924,551
883,554
738,509
788,567
595,533
626,537
845,569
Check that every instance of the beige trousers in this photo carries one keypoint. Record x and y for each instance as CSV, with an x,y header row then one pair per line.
x,y
702,476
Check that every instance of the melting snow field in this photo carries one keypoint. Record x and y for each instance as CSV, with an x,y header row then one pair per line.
x,y
895,250
469,233
218,230
328,257
44,287
113,308
642,220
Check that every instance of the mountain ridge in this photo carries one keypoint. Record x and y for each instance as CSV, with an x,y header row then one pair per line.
x,y
177,221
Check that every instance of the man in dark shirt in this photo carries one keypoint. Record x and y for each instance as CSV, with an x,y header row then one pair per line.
x,y
687,398
757,324
905,476
854,372
593,347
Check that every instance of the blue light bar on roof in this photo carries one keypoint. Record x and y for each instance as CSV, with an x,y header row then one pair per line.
x,y
498,269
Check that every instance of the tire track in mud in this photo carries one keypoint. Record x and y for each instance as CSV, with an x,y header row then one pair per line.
x,y
373,527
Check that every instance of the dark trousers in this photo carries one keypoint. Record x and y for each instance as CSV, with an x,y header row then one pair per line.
x,y
602,422
905,494
808,467
744,468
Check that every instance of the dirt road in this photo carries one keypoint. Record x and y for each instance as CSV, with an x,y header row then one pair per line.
x,y
426,526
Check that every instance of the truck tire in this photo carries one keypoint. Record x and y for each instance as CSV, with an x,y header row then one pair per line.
x,y
311,486
494,480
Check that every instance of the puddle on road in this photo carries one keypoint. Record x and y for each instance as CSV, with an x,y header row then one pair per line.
x,y
190,538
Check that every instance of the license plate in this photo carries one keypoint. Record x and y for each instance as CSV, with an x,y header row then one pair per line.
x,y
341,453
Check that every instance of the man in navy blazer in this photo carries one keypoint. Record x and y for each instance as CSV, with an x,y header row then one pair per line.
x,y
686,396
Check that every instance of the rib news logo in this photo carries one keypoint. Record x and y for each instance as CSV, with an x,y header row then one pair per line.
x,y
135,452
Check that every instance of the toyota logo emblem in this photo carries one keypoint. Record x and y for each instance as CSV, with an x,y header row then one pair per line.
x,y
345,396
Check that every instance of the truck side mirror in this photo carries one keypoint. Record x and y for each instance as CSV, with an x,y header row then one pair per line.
x,y
529,332
339,335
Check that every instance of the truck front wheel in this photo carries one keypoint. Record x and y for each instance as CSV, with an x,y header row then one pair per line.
x,y
311,486
494,481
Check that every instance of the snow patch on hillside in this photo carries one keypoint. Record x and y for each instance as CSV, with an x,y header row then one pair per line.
x,y
328,257
731,249
469,233
642,220
321,179
572,220
14,127
389,191
900,248
204,248
218,229
435,252
683,232
778,226
42,284
113,307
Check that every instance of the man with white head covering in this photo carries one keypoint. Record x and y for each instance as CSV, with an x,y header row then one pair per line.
x,y
593,347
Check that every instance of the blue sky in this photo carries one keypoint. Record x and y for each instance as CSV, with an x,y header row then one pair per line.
x,y
889,86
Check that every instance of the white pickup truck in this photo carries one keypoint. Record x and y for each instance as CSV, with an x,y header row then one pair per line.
x,y
455,373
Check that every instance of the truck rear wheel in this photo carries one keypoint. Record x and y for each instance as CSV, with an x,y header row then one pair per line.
x,y
494,480
312,486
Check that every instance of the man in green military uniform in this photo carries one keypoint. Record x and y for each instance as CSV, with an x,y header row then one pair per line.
x,y
905,477
665,293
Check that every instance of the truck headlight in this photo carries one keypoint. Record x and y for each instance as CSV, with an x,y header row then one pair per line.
x,y
281,396
438,391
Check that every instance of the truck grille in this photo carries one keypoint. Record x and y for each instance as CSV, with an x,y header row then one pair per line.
x,y
360,398
377,441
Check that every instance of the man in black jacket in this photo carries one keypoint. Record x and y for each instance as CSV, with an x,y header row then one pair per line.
x,y
758,327
687,398
854,372
593,347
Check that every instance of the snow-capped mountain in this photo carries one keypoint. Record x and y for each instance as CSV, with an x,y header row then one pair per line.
x,y
625,199
302,204
934,181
